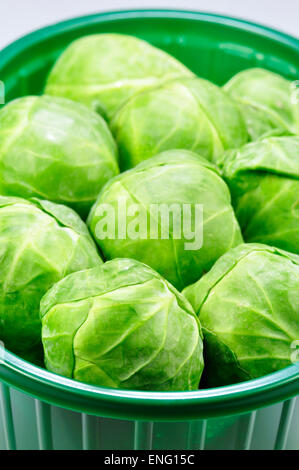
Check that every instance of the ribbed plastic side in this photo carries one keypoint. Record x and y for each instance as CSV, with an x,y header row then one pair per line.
x,y
27,423
7,428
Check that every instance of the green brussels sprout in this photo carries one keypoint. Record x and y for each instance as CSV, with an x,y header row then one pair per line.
x,y
267,102
40,242
104,70
173,212
248,307
264,181
55,149
122,325
190,113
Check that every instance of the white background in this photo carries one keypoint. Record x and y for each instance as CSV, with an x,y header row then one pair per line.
x,y
18,17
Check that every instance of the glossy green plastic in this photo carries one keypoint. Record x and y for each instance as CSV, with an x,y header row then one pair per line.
x,y
213,47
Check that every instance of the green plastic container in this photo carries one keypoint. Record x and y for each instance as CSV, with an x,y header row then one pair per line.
x,y
41,410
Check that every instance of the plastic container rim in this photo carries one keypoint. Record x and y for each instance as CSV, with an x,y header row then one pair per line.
x,y
235,398
46,32
246,395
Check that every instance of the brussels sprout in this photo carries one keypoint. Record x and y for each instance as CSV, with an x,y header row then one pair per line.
x,y
172,212
264,181
104,70
55,149
122,325
190,113
40,242
248,307
266,102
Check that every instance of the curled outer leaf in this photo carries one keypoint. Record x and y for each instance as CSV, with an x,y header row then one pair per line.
x,y
264,181
55,149
268,102
172,179
40,243
248,306
104,70
189,113
122,325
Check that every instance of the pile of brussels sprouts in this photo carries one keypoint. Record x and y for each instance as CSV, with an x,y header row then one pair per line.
x,y
122,122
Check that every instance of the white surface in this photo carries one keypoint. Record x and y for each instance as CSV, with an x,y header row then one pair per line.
x,y
18,17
